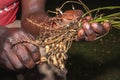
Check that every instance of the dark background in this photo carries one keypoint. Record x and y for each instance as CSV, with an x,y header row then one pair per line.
x,y
98,60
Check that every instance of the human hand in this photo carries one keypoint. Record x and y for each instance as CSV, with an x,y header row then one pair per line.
x,y
92,31
89,31
22,55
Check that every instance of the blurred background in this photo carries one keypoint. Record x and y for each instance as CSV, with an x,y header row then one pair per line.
x,y
97,60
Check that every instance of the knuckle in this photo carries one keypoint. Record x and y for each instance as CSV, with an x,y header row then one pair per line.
x,y
87,29
30,64
107,26
98,28
25,58
17,66
90,38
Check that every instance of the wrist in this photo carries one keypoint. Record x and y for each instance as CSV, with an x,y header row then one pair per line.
x,y
32,22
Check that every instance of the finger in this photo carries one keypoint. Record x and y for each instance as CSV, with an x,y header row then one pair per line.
x,y
79,13
25,36
98,28
14,61
80,35
107,26
34,51
20,36
88,18
84,20
5,60
90,34
24,56
21,52
71,15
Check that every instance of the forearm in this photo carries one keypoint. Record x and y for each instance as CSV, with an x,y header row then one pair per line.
x,y
32,9
32,6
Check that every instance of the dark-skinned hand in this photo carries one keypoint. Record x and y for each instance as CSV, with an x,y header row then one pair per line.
x,y
19,56
89,31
